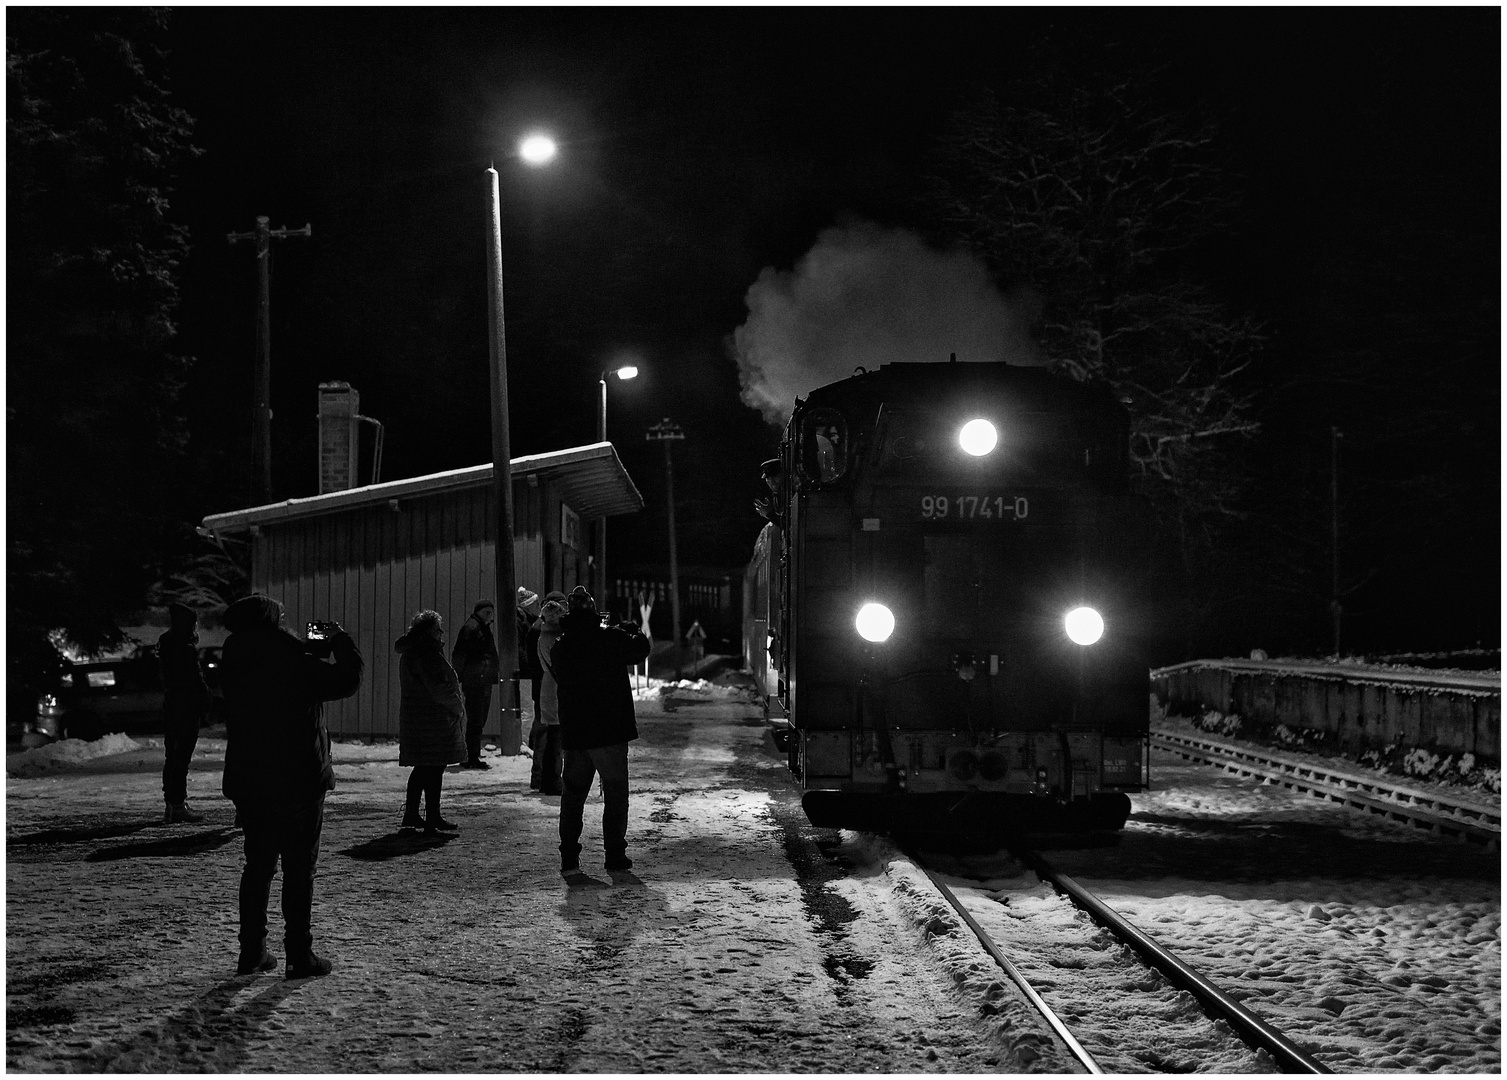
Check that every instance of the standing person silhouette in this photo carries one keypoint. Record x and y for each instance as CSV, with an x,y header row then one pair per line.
x,y
432,721
590,663
476,661
185,704
278,768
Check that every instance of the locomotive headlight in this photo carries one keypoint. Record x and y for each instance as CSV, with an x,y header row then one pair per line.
x,y
978,437
1084,625
875,622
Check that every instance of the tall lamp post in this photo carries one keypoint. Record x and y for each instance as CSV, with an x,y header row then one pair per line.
x,y
667,432
626,372
536,150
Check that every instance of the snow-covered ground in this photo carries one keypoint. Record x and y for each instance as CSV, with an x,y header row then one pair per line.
x,y
742,941
473,954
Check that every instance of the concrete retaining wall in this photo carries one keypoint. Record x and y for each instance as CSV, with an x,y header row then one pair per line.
x,y
1359,708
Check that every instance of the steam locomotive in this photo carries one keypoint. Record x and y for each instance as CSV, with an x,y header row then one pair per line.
x,y
945,611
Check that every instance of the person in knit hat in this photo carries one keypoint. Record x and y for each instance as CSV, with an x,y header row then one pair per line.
x,y
475,660
528,663
185,706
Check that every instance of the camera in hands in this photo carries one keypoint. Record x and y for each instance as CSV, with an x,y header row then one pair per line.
x,y
318,634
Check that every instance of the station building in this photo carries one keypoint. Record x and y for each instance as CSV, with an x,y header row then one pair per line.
x,y
371,557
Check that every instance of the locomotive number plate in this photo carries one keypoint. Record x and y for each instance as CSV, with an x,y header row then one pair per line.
x,y
960,506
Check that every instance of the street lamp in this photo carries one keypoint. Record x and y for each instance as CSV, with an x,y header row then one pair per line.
x,y
536,149
627,371
668,432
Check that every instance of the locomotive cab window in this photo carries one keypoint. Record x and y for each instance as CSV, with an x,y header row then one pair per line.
x,y
824,446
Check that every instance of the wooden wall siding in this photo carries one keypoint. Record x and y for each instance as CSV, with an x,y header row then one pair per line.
x,y
371,569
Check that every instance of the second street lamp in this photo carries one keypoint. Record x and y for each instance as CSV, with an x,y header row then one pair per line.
x,y
628,371
669,432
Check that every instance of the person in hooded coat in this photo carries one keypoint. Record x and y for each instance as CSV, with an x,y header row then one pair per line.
x,y
590,664
278,768
185,705
431,718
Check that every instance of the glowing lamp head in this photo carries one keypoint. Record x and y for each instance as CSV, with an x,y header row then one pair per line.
x,y
875,622
1084,625
978,437
629,372
537,149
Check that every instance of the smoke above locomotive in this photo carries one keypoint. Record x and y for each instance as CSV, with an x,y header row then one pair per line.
x,y
864,296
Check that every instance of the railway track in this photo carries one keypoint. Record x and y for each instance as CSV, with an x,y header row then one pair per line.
x,y
1218,1005
1465,820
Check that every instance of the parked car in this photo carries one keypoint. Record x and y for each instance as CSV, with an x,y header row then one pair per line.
x,y
124,694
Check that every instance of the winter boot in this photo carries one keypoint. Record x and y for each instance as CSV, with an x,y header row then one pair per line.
x,y
437,824
619,862
412,819
311,966
177,812
250,963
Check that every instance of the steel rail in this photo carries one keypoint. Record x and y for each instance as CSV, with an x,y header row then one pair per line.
x,y
1252,1028
1469,821
1074,1046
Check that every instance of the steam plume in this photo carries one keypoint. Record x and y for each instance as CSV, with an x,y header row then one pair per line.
x,y
864,296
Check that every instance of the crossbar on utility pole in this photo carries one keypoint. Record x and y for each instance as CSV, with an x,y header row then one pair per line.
x,y
668,432
261,381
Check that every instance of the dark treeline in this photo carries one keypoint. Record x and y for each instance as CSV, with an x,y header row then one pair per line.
x,y
1262,226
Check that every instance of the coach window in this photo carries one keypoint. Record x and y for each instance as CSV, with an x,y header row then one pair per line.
x,y
825,446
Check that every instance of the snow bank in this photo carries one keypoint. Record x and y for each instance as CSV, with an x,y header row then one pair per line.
x,y
66,754
687,690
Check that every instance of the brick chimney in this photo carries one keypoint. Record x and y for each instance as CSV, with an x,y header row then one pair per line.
x,y
339,442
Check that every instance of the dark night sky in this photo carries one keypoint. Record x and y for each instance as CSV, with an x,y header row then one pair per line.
x,y
700,146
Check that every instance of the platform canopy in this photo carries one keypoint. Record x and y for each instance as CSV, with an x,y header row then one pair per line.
x,y
590,479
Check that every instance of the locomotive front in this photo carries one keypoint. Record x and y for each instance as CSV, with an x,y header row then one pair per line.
x,y
958,601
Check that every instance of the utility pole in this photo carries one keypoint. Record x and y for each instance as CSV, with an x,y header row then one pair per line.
x,y
1336,610
667,432
261,382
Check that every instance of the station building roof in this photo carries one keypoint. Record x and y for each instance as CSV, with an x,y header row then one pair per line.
x,y
591,479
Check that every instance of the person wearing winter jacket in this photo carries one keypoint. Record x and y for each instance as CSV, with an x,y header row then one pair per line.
x,y
431,719
185,705
535,671
476,662
590,664
278,767
527,616
546,743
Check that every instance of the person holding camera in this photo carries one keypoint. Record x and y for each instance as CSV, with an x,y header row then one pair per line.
x,y
431,719
278,767
590,664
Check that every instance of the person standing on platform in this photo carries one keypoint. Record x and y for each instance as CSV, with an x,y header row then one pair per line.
x,y
185,705
278,767
528,662
432,722
590,663
546,771
476,662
